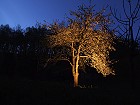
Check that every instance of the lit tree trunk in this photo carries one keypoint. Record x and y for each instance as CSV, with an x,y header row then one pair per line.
x,y
76,73
76,68
76,79
73,63
73,60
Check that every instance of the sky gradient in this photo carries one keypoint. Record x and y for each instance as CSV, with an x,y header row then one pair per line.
x,y
28,12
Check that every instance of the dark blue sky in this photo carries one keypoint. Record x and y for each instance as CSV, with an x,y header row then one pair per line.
x,y
28,12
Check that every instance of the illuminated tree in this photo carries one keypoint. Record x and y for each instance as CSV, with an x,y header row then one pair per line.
x,y
87,39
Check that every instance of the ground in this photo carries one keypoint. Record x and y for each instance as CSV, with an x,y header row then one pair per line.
x,y
26,91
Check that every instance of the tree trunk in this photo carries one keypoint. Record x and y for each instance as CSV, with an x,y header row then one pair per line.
x,y
132,51
76,69
75,64
76,79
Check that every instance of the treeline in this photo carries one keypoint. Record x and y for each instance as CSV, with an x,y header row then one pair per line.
x,y
19,41
23,53
20,50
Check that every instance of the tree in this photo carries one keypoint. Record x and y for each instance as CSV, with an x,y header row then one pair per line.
x,y
33,37
5,37
87,40
130,29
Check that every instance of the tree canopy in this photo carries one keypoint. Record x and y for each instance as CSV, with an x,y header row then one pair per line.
x,y
88,38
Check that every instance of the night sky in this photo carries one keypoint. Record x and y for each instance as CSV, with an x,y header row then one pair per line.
x,y
28,12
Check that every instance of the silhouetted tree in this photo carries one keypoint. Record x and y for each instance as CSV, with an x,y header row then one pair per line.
x,y
18,40
33,37
5,37
127,29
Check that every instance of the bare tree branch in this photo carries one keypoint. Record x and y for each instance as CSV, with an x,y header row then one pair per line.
x,y
136,10
119,20
125,11
136,38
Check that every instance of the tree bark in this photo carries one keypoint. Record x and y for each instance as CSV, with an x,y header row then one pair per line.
x,y
76,79
76,68
73,67
75,64
73,60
